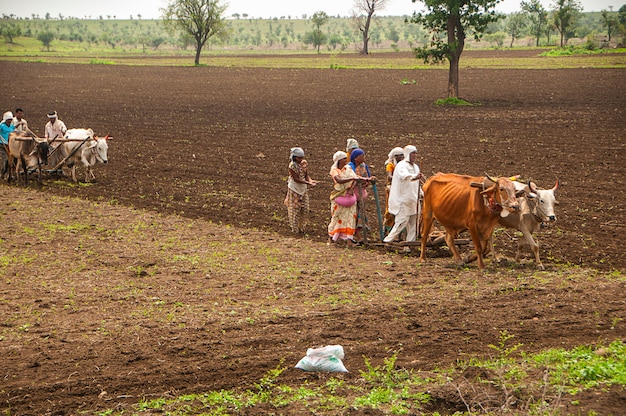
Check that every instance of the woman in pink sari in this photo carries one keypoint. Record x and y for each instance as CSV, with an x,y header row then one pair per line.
x,y
342,201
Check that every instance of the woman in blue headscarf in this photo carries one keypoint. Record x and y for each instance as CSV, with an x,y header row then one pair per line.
x,y
358,165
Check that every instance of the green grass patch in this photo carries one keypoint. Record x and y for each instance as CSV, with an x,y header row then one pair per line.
x,y
454,101
573,50
393,390
585,367
101,62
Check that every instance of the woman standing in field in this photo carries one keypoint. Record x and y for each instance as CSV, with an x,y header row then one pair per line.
x,y
342,201
297,199
358,165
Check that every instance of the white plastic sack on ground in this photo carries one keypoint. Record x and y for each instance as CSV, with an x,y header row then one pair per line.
x,y
326,358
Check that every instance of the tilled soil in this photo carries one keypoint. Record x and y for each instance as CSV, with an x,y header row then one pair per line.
x,y
211,145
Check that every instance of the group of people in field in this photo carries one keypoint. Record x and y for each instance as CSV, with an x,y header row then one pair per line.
x,y
54,128
352,178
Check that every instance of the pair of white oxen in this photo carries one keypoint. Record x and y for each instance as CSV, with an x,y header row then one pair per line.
x,y
77,146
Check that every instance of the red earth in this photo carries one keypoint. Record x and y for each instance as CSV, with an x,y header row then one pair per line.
x,y
203,151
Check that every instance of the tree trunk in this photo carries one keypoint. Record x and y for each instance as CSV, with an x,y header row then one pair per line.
x,y
548,33
456,41
366,34
453,77
198,50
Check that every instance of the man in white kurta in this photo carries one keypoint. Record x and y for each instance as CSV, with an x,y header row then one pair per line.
x,y
403,196
55,128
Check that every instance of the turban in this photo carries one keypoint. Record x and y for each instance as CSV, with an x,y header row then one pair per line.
x,y
408,150
391,157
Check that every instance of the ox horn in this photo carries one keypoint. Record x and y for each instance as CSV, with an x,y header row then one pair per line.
x,y
494,180
556,185
532,186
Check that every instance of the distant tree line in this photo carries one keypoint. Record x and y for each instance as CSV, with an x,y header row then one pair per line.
x,y
542,27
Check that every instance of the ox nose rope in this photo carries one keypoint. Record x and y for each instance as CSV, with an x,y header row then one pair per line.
x,y
539,213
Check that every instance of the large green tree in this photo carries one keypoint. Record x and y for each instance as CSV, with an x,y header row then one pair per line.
x,y
362,14
46,37
201,19
564,12
610,21
455,19
538,17
515,25
318,38
10,31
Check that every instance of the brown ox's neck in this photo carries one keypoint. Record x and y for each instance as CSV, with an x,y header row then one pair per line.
x,y
494,206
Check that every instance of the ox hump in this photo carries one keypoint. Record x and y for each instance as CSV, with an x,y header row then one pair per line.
x,y
79,134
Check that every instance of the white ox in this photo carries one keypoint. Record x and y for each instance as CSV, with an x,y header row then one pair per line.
x,y
536,208
26,152
82,146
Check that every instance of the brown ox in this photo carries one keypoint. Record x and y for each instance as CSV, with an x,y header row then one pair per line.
x,y
26,152
457,205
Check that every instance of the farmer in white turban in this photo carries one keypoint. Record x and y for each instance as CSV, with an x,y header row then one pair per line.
x,y
395,155
404,196
55,128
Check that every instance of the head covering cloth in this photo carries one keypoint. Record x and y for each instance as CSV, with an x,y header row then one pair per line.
x,y
408,150
351,144
7,116
356,153
296,152
52,114
391,157
339,155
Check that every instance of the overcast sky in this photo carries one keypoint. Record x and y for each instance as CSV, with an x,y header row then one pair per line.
x,y
150,9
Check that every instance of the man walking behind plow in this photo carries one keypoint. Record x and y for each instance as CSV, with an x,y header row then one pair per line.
x,y
404,196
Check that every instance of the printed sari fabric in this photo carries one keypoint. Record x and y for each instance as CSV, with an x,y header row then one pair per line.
x,y
343,219
362,171
297,199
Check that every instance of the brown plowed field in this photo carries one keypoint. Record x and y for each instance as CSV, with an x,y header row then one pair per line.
x,y
202,154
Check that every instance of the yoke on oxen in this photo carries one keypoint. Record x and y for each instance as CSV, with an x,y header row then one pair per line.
x,y
78,145
81,145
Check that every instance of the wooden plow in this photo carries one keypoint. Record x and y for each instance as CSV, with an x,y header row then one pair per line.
x,y
435,239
